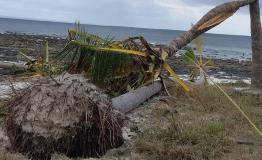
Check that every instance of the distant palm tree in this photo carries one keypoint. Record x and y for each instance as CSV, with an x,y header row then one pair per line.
x,y
256,32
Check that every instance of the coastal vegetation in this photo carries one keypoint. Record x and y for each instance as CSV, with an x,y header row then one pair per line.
x,y
201,125
78,105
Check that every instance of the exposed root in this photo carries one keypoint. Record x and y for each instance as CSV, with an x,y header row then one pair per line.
x,y
75,118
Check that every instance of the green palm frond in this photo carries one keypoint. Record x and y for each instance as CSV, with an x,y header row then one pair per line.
x,y
194,63
189,57
107,63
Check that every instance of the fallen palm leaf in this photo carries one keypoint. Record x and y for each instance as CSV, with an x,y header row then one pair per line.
x,y
118,67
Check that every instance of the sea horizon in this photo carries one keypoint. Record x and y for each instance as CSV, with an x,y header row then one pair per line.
x,y
102,25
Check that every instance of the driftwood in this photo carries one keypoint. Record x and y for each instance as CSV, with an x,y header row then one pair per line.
x,y
10,65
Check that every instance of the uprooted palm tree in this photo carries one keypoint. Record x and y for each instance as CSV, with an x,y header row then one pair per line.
x,y
77,118
70,109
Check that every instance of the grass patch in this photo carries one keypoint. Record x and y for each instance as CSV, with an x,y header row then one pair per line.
x,y
184,141
207,126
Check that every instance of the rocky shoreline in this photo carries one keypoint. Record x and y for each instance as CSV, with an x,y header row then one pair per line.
x,y
12,43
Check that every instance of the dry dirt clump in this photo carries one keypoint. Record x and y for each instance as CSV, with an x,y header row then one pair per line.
x,y
67,115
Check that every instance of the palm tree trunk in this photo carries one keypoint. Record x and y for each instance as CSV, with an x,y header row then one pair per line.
x,y
256,33
213,18
131,100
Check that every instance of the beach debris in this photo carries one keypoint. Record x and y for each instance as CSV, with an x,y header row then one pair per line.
x,y
13,65
244,142
41,65
75,118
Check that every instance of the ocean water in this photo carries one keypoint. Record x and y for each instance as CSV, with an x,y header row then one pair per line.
x,y
216,45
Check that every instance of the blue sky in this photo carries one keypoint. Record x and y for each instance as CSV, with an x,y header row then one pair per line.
x,y
163,14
